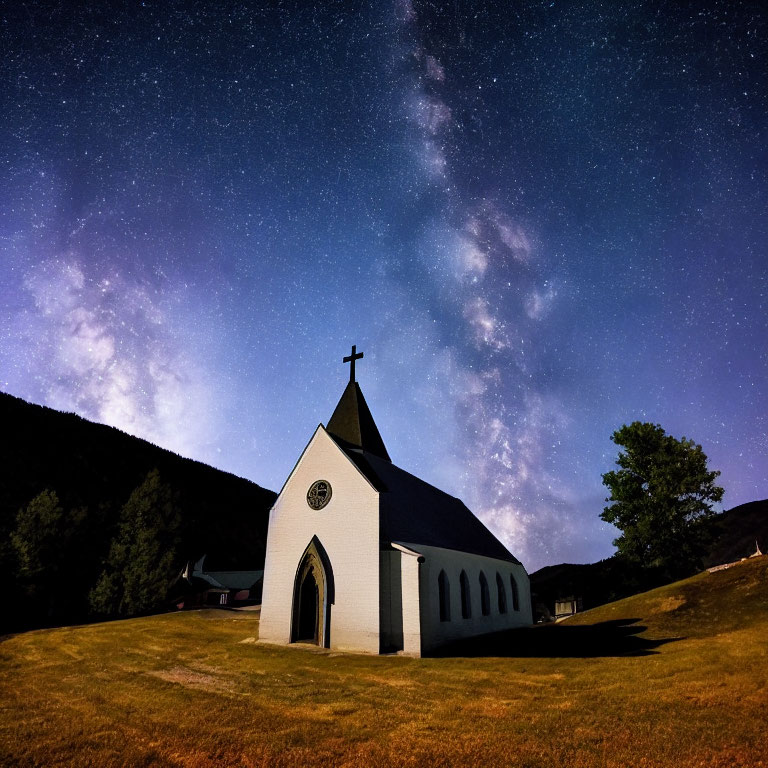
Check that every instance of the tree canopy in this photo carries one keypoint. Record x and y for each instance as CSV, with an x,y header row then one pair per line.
x,y
661,498
143,553
40,540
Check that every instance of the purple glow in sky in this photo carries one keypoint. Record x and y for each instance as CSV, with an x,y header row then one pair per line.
x,y
539,221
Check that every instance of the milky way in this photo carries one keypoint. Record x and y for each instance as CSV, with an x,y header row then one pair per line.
x,y
538,220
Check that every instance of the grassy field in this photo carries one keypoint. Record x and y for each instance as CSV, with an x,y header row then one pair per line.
x,y
673,677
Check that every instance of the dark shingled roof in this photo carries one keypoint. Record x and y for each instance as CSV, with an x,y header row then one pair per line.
x,y
353,424
415,512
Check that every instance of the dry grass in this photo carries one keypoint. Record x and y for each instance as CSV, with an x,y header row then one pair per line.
x,y
684,685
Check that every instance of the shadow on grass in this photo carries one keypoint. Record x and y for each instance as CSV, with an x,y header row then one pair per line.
x,y
608,638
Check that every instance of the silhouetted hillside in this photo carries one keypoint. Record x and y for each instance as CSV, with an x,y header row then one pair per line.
x,y
614,578
96,467
739,529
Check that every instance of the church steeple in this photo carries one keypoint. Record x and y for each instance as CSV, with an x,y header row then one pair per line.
x,y
351,421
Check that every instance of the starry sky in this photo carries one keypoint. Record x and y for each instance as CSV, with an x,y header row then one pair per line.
x,y
538,220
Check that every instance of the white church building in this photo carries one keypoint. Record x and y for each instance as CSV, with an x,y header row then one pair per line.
x,y
363,556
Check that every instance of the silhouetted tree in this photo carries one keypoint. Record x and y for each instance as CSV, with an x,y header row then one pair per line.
x,y
661,499
142,556
41,542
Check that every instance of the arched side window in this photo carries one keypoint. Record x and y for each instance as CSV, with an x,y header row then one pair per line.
x,y
502,593
466,601
444,593
485,595
515,596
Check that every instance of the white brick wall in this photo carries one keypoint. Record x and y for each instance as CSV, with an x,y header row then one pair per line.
x,y
348,529
410,574
435,632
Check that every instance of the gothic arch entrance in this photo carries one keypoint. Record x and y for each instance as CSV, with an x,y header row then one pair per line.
x,y
313,597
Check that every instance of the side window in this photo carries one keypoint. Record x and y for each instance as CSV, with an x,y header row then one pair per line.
x,y
515,596
502,593
444,593
485,595
466,600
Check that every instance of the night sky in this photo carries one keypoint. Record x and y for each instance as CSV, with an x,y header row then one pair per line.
x,y
538,220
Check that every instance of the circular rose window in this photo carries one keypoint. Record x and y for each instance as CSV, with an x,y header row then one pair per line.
x,y
319,494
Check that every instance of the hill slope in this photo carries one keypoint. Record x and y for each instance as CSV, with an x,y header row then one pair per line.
x,y
674,677
95,467
704,606
737,529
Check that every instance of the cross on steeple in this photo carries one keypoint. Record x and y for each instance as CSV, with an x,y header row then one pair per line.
x,y
351,359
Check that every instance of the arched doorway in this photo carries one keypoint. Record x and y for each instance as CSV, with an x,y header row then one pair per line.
x,y
313,597
309,608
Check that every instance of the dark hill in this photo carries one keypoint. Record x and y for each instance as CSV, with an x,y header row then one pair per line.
x,y
97,467
613,578
739,529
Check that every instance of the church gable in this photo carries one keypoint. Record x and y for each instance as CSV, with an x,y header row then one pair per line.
x,y
323,455
326,500
326,496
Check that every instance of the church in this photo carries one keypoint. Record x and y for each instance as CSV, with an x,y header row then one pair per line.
x,y
363,556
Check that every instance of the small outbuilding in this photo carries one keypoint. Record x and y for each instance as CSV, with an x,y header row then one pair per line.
x,y
196,587
568,606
